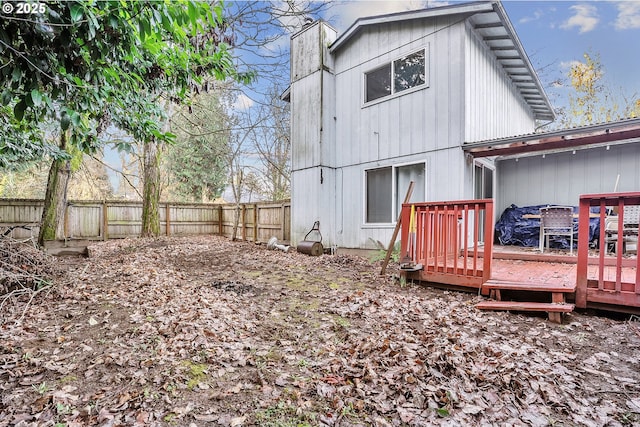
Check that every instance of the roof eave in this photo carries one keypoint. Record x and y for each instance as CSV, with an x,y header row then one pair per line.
x,y
562,140
467,8
550,115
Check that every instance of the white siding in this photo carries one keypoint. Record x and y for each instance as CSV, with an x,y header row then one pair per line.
x,y
494,108
312,95
411,123
422,126
336,137
561,178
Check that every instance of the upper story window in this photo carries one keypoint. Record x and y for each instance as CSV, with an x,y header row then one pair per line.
x,y
408,72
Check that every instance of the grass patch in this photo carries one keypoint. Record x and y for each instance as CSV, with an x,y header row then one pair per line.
x,y
283,415
197,373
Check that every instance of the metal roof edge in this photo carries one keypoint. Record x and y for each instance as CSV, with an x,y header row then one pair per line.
x,y
563,139
464,8
499,9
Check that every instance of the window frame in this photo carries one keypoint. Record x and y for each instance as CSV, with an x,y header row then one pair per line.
x,y
394,205
394,93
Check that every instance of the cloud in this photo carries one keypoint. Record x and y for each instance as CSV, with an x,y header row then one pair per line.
x,y
585,18
566,65
243,102
628,15
536,16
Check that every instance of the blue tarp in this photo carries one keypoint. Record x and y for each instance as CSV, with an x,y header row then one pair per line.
x,y
513,229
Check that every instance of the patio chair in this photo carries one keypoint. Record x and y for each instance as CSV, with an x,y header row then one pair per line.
x,y
556,221
630,220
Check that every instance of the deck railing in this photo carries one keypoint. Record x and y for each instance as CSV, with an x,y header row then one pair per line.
x,y
604,282
440,241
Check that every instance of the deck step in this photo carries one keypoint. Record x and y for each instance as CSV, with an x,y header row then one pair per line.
x,y
527,286
526,306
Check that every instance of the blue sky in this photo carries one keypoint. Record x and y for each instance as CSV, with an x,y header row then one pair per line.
x,y
554,34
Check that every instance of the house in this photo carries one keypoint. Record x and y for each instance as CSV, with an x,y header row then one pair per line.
x,y
559,166
424,96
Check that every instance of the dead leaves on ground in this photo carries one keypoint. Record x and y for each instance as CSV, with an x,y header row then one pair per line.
x,y
202,331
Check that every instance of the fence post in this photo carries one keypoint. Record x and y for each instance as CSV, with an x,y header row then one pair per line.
x,y
66,221
244,222
168,217
282,213
105,220
255,223
220,220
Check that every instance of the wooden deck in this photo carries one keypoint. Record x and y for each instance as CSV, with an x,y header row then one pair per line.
x,y
442,240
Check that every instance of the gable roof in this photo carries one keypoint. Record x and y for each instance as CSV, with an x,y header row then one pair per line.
x,y
490,21
625,131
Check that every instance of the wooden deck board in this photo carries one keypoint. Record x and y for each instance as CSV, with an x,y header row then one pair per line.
x,y
525,306
528,286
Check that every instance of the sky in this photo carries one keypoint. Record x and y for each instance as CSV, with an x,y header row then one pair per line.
x,y
553,33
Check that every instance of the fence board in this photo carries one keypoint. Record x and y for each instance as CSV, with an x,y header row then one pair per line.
x,y
98,220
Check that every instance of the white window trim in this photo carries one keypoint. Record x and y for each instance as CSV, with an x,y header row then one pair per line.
x,y
394,191
394,94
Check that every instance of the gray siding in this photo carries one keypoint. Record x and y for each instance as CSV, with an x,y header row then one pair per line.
x,y
411,123
421,126
494,108
561,178
336,137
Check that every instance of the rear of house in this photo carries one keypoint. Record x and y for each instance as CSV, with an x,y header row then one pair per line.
x,y
393,100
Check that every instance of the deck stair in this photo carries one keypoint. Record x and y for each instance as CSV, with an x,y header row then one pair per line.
x,y
555,308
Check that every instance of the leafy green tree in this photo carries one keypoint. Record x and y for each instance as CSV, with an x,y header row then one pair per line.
x,y
88,64
197,160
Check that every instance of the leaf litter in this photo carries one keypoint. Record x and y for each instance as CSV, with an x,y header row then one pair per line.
x,y
201,331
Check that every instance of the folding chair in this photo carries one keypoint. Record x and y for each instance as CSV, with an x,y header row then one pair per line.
x,y
556,221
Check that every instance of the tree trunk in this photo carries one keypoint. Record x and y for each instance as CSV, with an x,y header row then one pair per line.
x,y
151,190
55,201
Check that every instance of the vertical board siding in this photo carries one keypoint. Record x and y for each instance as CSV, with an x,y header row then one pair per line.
x,y
405,124
494,106
560,178
85,220
420,126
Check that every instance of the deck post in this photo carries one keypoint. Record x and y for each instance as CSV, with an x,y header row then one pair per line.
x,y
583,253
488,241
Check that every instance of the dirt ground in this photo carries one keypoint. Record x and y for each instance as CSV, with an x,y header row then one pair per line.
x,y
201,331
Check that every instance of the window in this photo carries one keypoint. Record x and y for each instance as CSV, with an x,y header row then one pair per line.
x,y
386,189
379,195
378,83
408,72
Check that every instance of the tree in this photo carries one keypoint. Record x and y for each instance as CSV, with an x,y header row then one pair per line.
x,y
592,99
86,64
197,160
273,144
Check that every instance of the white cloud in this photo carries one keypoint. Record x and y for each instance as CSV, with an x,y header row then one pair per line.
x,y
243,102
628,15
566,65
536,16
585,18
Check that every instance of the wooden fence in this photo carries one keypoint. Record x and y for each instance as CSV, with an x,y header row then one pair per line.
x,y
102,220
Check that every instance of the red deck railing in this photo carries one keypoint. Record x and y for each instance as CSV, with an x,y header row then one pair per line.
x,y
603,283
444,238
